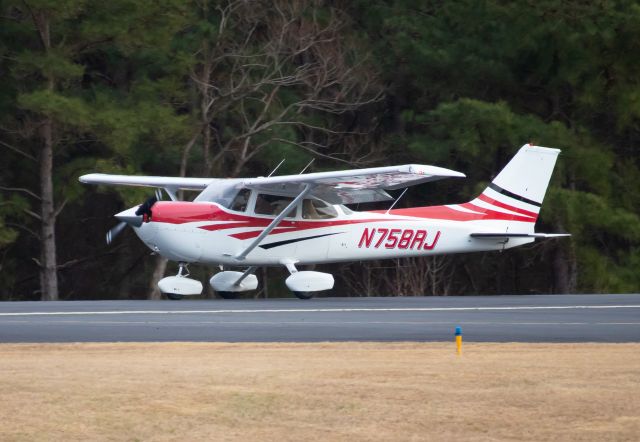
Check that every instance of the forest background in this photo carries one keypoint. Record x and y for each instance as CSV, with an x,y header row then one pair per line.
x,y
229,88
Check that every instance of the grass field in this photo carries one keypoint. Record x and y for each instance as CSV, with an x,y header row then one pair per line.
x,y
333,391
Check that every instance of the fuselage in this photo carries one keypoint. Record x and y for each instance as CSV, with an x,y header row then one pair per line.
x,y
207,232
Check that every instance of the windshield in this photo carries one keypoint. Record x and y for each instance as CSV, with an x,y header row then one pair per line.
x,y
220,191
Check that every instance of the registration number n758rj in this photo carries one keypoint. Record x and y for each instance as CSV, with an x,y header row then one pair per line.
x,y
398,239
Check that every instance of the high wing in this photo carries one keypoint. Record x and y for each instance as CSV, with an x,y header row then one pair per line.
x,y
169,184
353,186
338,187
148,181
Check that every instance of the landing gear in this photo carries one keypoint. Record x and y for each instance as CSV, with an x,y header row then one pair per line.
x,y
176,287
228,295
229,284
304,295
305,284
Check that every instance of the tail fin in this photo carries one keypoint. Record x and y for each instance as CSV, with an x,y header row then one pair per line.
x,y
519,188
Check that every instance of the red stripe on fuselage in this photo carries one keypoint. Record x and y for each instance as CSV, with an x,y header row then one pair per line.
x,y
449,214
234,225
493,214
298,226
187,212
497,203
256,233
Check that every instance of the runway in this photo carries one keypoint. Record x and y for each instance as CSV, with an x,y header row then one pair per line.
x,y
540,318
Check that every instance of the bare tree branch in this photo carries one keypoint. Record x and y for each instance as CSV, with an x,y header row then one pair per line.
x,y
33,214
294,72
307,146
60,208
18,151
24,228
21,189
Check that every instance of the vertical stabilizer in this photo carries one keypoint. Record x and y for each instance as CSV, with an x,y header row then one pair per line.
x,y
520,187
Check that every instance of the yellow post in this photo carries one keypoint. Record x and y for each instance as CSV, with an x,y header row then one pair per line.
x,y
459,340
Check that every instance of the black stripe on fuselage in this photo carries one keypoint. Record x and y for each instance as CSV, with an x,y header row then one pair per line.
x,y
271,245
514,196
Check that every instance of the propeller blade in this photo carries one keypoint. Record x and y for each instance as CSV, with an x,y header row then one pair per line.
x,y
129,218
115,231
134,216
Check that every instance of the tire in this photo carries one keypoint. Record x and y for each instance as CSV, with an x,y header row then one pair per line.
x,y
174,296
228,295
304,295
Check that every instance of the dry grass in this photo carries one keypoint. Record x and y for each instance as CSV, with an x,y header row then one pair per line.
x,y
337,391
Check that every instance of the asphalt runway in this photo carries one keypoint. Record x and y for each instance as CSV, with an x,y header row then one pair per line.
x,y
548,318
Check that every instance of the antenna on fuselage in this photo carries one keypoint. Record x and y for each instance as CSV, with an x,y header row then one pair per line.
x,y
307,166
276,168
396,201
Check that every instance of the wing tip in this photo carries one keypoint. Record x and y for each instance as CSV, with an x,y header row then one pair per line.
x,y
424,169
87,179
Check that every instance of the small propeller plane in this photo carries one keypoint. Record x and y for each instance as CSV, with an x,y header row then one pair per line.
x,y
244,223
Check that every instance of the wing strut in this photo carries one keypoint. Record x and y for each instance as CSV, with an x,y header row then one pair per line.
x,y
171,191
275,222
247,272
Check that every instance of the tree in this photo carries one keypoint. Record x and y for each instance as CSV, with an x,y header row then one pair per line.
x,y
56,99
466,93
276,79
276,74
224,88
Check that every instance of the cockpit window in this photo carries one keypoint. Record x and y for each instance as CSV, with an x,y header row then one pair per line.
x,y
316,209
273,205
239,203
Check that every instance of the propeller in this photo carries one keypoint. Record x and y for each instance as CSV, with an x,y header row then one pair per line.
x,y
135,219
115,231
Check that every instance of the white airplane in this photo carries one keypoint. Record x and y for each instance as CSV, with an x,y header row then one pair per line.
x,y
301,219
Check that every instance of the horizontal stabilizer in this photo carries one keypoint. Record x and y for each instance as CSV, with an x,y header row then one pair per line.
x,y
518,235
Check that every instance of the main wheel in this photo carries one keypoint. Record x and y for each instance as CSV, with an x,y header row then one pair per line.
x,y
228,295
174,297
304,295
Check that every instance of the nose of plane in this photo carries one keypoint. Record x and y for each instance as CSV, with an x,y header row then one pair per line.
x,y
129,216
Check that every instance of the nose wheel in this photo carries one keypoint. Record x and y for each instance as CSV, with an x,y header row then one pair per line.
x,y
304,295
179,286
183,272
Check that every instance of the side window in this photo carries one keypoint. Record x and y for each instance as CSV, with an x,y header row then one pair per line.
x,y
239,203
273,205
316,209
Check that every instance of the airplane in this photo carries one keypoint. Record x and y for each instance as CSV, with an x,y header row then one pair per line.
x,y
241,224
